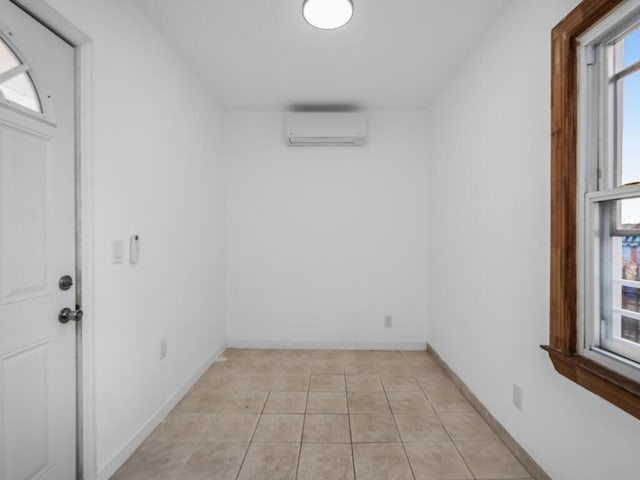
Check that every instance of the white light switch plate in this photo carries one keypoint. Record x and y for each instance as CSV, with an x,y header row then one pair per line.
x,y
117,252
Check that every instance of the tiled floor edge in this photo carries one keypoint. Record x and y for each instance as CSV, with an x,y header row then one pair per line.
x,y
400,345
535,470
111,467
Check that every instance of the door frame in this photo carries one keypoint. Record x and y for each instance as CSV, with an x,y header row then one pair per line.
x,y
86,458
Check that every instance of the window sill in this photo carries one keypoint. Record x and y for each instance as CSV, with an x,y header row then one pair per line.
x,y
610,385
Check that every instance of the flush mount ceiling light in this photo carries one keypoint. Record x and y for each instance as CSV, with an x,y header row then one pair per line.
x,y
327,14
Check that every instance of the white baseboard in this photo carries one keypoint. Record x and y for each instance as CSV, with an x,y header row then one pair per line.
x,y
527,461
328,345
145,430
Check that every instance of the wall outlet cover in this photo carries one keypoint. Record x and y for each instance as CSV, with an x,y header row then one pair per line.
x,y
517,397
163,349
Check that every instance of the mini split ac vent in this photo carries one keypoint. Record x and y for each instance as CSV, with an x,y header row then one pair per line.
x,y
325,129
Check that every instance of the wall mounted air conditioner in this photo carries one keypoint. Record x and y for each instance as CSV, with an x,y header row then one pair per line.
x,y
325,129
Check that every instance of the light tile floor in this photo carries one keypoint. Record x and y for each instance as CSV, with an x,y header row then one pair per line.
x,y
323,415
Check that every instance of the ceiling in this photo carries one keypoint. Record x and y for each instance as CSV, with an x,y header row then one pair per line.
x,y
262,55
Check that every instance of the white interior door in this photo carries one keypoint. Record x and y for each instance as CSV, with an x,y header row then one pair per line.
x,y
37,247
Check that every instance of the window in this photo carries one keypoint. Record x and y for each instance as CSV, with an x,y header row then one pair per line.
x,y
595,200
609,163
16,86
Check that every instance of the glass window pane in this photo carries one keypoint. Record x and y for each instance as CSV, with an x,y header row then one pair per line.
x,y
630,329
630,135
7,59
629,216
631,299
631,48
630,260
20,90
618,271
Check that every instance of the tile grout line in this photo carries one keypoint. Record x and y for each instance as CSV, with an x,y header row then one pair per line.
x,y
196,444
415,373
384,389
195,447
455,445
304,420
255,429
473,475
346,393
478,409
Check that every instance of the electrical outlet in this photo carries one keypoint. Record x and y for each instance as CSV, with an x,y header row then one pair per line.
x,y
388,321
517,397
163,349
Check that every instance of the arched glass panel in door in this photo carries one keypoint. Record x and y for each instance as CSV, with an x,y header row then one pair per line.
x,y
16,86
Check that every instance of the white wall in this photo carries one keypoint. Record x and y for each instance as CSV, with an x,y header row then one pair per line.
x,y
322,243
489,256
157,173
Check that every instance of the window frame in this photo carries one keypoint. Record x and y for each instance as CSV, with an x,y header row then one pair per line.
x,y
567,333
599,150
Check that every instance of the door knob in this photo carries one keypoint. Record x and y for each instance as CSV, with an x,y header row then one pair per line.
x,y
66,314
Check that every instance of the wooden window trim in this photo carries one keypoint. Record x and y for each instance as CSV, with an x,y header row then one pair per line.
x,y
563,334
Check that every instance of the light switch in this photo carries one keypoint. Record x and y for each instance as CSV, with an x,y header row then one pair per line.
x,y
117,253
